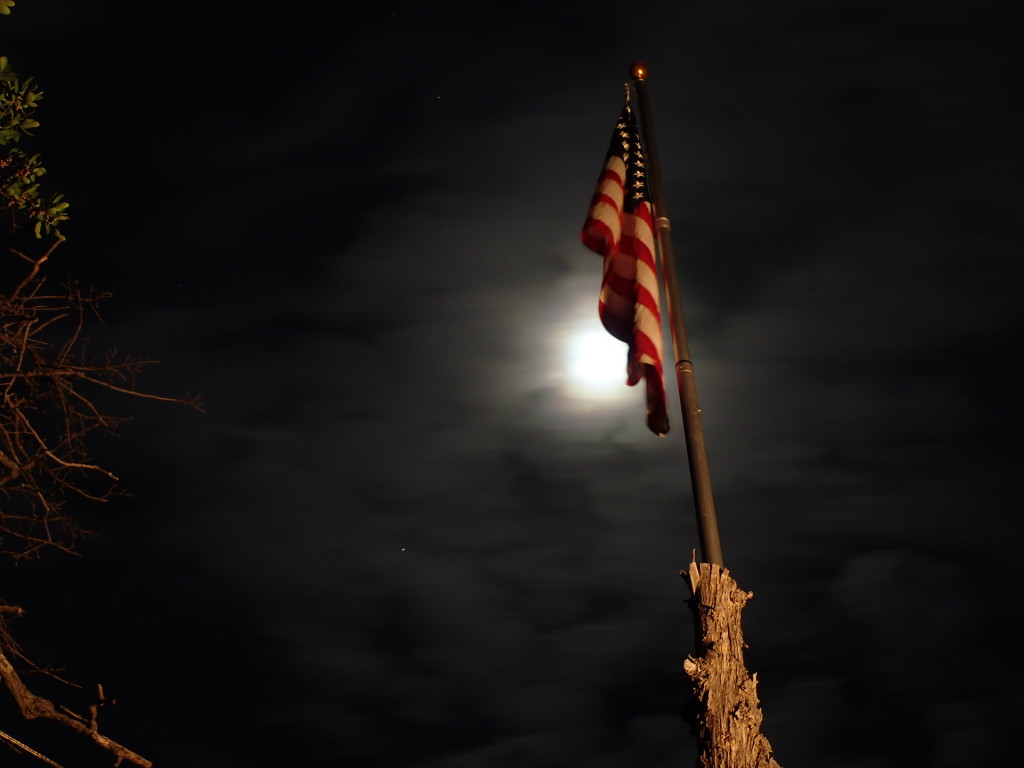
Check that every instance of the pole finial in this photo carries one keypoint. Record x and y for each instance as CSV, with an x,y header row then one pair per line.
x,y
638,70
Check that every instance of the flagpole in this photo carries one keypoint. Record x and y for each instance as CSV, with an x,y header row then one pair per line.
x,y
700,477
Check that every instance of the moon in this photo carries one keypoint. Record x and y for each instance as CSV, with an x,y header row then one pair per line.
x,y
596,363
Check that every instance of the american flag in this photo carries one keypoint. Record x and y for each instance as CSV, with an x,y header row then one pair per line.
x,y
620,227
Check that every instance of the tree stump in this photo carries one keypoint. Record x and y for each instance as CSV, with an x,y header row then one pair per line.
x,y
729,718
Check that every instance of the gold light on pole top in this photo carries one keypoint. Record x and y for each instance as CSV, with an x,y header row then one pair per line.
x,y
638,70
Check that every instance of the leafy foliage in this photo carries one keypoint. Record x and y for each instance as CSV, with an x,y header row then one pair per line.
x,y
20,172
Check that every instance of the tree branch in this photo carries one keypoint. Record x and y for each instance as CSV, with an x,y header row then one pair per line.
x,y
34,707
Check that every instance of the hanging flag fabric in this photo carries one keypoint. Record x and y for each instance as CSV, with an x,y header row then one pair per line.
x,y
620,227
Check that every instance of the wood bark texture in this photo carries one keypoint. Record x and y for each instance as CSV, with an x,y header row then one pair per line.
x,y
35,707
729,719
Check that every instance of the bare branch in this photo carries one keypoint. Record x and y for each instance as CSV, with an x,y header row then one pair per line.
x,y
34,707
37,264
48,385
21,746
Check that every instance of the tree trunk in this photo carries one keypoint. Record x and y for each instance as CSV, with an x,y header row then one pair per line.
x,y
729,719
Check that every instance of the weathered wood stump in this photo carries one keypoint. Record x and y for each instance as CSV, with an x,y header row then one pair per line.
x,y
729,718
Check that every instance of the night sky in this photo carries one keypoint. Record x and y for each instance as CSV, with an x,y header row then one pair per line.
x,y
403,533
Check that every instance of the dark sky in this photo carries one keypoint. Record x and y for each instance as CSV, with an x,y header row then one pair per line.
x,y
400,535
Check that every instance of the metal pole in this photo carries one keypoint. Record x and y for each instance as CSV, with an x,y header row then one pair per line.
x,y
700,477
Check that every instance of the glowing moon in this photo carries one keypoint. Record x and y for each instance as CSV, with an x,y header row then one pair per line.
x,y
597,362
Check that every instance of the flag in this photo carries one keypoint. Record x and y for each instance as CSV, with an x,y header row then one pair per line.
x,y
620,227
